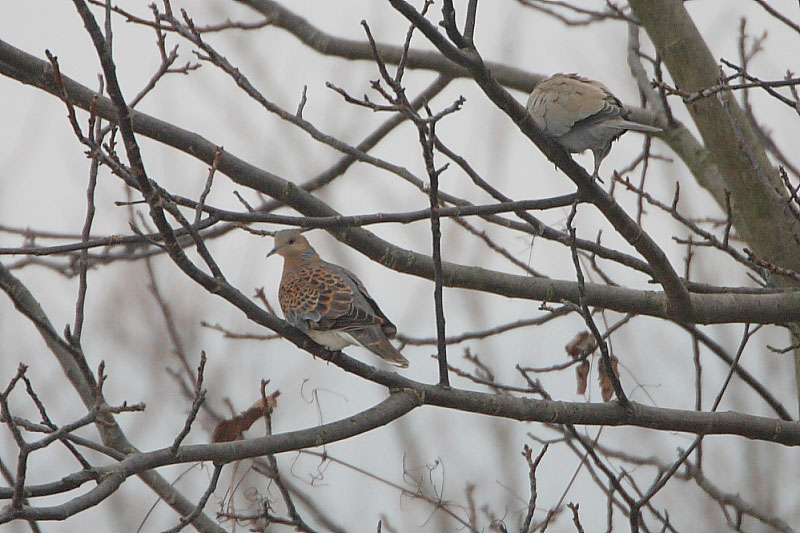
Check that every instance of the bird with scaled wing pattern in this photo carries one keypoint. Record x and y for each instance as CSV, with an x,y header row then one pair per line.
x,y
329,303
581,114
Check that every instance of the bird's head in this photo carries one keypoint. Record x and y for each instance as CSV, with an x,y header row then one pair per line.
x,y
291,244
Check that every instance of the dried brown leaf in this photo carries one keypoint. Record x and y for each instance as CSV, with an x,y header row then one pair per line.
x,y
582,376
581,343
234,428
606,387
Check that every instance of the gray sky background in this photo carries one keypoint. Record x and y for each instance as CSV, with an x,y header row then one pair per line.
x,y
43,176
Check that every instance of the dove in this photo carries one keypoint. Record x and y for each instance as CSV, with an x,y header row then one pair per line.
x,y
581,114
329,303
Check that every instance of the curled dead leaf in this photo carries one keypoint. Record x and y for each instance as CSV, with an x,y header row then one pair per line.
x,y
234,428
582,376
606,387
581,343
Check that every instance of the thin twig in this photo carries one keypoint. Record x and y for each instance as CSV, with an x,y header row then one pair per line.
x,y
587,316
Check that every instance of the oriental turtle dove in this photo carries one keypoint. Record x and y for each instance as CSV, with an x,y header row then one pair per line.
x,y
581,114
329,303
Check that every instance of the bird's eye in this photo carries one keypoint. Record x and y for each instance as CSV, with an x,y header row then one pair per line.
x,y
291,241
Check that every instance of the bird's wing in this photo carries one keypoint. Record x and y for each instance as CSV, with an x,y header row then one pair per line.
x,y
322,297
563,102
363,300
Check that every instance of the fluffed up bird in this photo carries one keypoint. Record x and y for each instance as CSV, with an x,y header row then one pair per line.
x,y
329,303
581,114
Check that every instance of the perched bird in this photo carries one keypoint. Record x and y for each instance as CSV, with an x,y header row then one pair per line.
x,y
581,114
329,303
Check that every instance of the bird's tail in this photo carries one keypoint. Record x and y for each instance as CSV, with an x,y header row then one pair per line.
x,y
375,341
636,126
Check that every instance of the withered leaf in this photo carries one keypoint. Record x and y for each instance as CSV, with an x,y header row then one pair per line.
x,y
234,428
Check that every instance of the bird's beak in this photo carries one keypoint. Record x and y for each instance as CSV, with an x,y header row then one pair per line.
x,y
273,251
